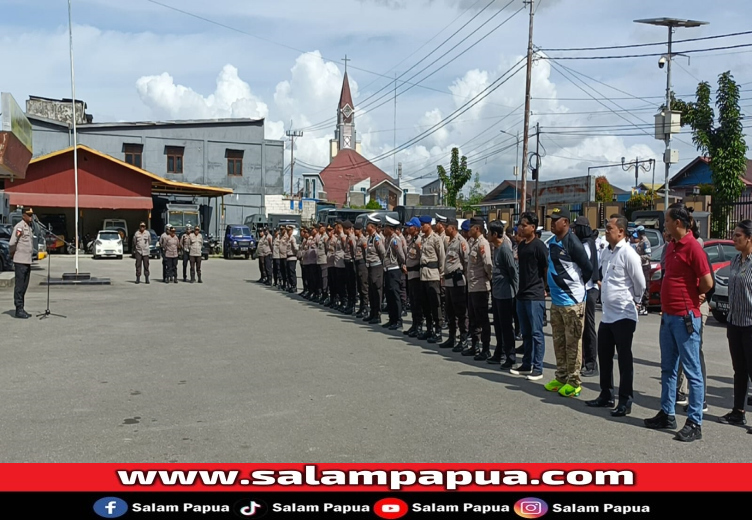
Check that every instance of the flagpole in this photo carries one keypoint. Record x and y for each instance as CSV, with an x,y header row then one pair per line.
x,y
75,137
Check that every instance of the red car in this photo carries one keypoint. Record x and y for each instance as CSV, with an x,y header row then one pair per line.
x,y
720,253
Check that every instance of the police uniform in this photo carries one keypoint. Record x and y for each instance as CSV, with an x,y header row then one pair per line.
x,y
414,289
403,278
394,259
374,260
455,288
141,245
432,259
479,277
645,250
312,267
350,275
340,276
275,260
361,243
283,258
321,264
268,260
171,250
262,251
22,245
444,240
165,266
185,246
292,263
195,252
332,283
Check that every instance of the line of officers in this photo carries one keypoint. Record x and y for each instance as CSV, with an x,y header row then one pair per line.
x,y
190,246
438,271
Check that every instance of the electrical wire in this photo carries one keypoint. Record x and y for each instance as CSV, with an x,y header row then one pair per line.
x,y
636,45
625,56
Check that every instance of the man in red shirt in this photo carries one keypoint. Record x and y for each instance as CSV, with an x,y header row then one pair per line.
x,y
686,279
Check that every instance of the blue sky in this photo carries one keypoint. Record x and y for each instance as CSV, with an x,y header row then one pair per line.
x,y
137,60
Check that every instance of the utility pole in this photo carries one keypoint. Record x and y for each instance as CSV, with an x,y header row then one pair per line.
x,y
395,123
292,134
537,162
526,132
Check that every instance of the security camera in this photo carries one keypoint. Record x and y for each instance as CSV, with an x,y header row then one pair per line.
x,y
662,62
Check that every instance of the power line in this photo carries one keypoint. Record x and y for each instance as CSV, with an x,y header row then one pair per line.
x,y
636,45
691,51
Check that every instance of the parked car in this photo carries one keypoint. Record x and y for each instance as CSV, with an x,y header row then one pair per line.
x,y
154,250
121,226
5,231
108,243
239,241
720,253
719,304
6,260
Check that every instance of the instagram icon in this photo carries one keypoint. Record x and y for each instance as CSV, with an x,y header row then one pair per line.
x,y
530,507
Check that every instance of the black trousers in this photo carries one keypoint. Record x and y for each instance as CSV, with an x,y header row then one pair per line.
x,y
393,301
331,282
415,292
165,268
589,334
172,267
456,309
292,273
646,294
516,319
431,300
282,268
503,312
740,347
323,277
351,283
142,260
362,282
23,273
195,266
186,262
275,269
442,299
268,268
616,336
375,286
403,290
340,275
305,273
262,267
480,326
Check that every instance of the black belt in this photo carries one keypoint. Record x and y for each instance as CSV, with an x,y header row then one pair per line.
x,y
360,262
413,269
431,265
454,275
348,261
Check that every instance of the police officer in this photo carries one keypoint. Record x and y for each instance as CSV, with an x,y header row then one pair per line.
x,y
268,259
22,245
394,259
361,243
195,252
412,270
165,262
275,259
262,252
339,267
283,240
350,274
303,259
440,228
455,287
645,251
431,270
403,278
141,244
374,251
479,276
292,261
185,245
171,250
321,264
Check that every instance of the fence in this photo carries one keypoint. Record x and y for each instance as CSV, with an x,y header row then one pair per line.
x,y
725,215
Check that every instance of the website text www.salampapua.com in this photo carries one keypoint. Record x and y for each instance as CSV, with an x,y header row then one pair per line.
x,y
393,479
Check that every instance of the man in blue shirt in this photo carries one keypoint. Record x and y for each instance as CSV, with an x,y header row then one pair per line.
x,y
568,269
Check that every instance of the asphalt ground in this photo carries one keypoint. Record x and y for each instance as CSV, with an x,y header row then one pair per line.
x,y
233,371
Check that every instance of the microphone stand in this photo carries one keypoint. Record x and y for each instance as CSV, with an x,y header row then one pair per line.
x,y
47,313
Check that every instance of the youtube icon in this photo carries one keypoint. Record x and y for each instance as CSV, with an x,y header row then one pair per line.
x,y
390,508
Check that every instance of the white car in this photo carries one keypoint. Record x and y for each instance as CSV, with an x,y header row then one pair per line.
x,y
108,243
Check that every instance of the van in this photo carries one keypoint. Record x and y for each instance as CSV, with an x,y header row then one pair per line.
x,y
121,226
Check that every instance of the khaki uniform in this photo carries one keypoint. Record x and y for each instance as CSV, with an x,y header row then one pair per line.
x,y
22,245
374,260
195,252
455,287
432,258
394,259
351,275
291,248
276,268
141,244
414,289
479,276
185,246
361,270
170,249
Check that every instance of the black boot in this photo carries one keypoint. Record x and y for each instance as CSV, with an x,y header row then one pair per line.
x,y
417,332
449,343
462,345
147,280
175,280
471,350
199,279
138,280
427,334
410,330
436,338
484,354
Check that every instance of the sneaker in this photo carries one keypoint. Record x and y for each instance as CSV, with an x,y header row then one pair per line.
x,y
690,432
570,391
554,385
535,376
661,421
589,372
521,371
682,398
734,417
704,407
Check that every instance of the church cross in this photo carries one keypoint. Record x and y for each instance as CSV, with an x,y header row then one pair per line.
x,y
346,59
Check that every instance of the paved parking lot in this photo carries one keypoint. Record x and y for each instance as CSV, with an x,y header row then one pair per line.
x,y
234,371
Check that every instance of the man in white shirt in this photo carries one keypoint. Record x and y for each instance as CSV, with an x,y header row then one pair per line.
x,y
622,287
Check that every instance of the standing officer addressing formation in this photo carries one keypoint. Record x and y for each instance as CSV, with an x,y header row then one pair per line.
x,y
22,246
141,243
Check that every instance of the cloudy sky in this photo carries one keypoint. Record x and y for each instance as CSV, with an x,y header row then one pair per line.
x,y
139,60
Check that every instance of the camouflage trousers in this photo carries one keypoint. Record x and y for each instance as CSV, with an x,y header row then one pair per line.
x,y
566,326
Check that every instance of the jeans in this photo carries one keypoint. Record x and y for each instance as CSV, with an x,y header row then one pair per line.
x,y
531,314
678,345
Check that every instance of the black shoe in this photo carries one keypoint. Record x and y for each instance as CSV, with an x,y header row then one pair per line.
x,y
681,398
147,280
600,402
138,280
436,338
404,313
519,350
483,355
409,331
589,372
174,280
622,410
367,317
704,407
396,326
349,310
375,320
495,360
734,417
425,335
661,421
387,324
359,314
469,351
304,294
22,315
507,365
690,432
417,332
449,343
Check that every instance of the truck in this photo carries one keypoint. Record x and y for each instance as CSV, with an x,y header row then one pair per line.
x,y
181,216
255,221
285,219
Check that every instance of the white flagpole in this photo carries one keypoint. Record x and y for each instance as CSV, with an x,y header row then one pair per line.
x,y
75,137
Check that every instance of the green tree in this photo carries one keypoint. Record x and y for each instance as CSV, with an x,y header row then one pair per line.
x,y
722,140
458,176
604,192
373,204
475,196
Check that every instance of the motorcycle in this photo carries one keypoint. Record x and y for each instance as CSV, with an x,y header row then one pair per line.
x,y
214,246
86,243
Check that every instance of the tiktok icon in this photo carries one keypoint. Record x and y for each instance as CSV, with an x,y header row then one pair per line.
x,y
251,508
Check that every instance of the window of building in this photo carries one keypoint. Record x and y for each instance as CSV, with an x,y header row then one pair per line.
x,y
234,162
174,158
133,153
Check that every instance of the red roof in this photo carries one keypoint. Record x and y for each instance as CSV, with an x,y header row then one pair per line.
x,y
348,168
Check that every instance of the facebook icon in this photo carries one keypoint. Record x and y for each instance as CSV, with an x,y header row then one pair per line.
x,y
110,507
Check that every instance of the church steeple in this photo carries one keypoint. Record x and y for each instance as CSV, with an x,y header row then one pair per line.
x,y
345,137
346,109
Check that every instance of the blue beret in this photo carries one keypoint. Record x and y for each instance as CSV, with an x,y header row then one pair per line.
x,y
425,219
413,222
466,225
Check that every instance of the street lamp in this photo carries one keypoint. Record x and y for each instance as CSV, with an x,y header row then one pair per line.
x,y
645,165
671,23
517,161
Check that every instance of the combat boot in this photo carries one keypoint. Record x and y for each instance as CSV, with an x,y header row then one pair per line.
x,y
138,280
410,330
449,343
428,333
199,279
417,332
484,354
436,338
471,350
462,345
359,314
147,280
